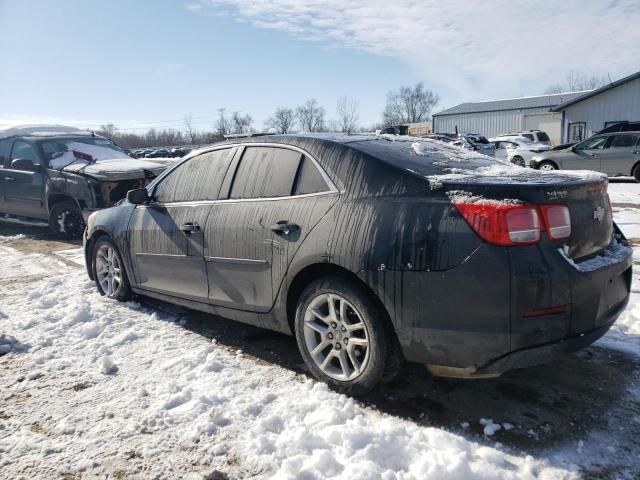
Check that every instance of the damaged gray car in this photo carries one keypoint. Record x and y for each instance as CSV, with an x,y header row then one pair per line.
x,y
62,174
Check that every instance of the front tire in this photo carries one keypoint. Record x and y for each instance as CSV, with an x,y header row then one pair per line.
x,y
342,336
547,166
518,160
109,272
636,173
66,221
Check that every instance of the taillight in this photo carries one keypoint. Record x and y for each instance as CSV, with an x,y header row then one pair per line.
x,y
557,220
516,224
502,224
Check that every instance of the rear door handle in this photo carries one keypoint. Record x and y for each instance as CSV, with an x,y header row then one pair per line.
x,y
9,179
190,227
285,227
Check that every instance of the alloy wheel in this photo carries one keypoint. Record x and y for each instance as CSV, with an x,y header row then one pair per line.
x,y
547,167
336,337
108,270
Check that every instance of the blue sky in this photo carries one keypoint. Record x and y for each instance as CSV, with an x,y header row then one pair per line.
x,y
148,63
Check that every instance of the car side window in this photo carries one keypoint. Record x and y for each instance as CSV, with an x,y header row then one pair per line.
x,y
265,172
594,143
22,149
309,180
528,135
199,178
623,141
5,148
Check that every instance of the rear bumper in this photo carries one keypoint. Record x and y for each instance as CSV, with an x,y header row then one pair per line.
x,y
492,313
541,354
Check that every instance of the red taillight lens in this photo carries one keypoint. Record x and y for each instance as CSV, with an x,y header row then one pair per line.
x,y
509,225
502,224
558,221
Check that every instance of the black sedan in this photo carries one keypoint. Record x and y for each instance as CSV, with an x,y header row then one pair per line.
x,y
372,251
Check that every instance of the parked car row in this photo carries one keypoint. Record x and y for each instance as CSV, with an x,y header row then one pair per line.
x,y
614,151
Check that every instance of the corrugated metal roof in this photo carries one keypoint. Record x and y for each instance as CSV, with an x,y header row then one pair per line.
x,y
513,103
591,93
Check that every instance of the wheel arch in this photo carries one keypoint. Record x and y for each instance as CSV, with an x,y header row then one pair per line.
x,y
55,198
314,271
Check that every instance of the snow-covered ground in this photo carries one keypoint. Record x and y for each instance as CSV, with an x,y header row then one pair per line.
x,y
94,388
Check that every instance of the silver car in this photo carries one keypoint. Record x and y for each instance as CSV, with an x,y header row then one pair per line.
x,y
616,154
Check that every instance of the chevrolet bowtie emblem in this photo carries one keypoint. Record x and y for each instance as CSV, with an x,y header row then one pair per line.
x,y
598,214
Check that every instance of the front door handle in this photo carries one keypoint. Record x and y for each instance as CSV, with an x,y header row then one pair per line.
x,y
190,227
9,179
285,227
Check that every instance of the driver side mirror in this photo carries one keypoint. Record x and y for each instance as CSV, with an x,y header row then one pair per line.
x,y
24,164
138,196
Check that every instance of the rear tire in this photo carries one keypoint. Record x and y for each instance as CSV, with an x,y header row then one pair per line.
x,y
636,173
109,271
66,221
342,336
547,166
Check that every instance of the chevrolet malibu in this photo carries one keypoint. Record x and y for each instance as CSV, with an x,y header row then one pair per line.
x,y
373,251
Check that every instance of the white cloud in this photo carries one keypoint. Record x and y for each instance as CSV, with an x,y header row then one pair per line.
x,y
476,50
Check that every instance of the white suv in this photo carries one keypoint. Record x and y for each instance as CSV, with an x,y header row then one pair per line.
x,y
536,136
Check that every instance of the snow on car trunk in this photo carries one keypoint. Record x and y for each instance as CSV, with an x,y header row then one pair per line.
x,y
98,387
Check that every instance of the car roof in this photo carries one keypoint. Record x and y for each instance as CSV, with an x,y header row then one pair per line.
x,y
41,130
608,134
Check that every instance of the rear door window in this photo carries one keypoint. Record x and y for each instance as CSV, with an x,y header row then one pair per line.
x,y
623,141
528,135
265,172
310,180
199,178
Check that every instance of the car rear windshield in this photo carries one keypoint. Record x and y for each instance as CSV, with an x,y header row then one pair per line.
x,y
543,137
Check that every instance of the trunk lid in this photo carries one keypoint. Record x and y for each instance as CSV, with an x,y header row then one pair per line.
x,y
586,198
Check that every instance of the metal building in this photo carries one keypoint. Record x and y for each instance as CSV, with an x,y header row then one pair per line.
x,y
496,117
614,103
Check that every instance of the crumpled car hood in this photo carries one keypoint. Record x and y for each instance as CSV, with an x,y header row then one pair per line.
x,y
116,169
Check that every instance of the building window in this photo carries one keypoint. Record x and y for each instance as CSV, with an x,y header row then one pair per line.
x,y
577,131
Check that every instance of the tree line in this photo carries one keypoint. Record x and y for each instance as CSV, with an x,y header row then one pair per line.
x,y
411,104
408,104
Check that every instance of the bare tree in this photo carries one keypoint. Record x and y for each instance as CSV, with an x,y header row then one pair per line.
x,y
108,130
576,81
311,116
409,105
282,121
223,124
188,126
348,116
241,123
